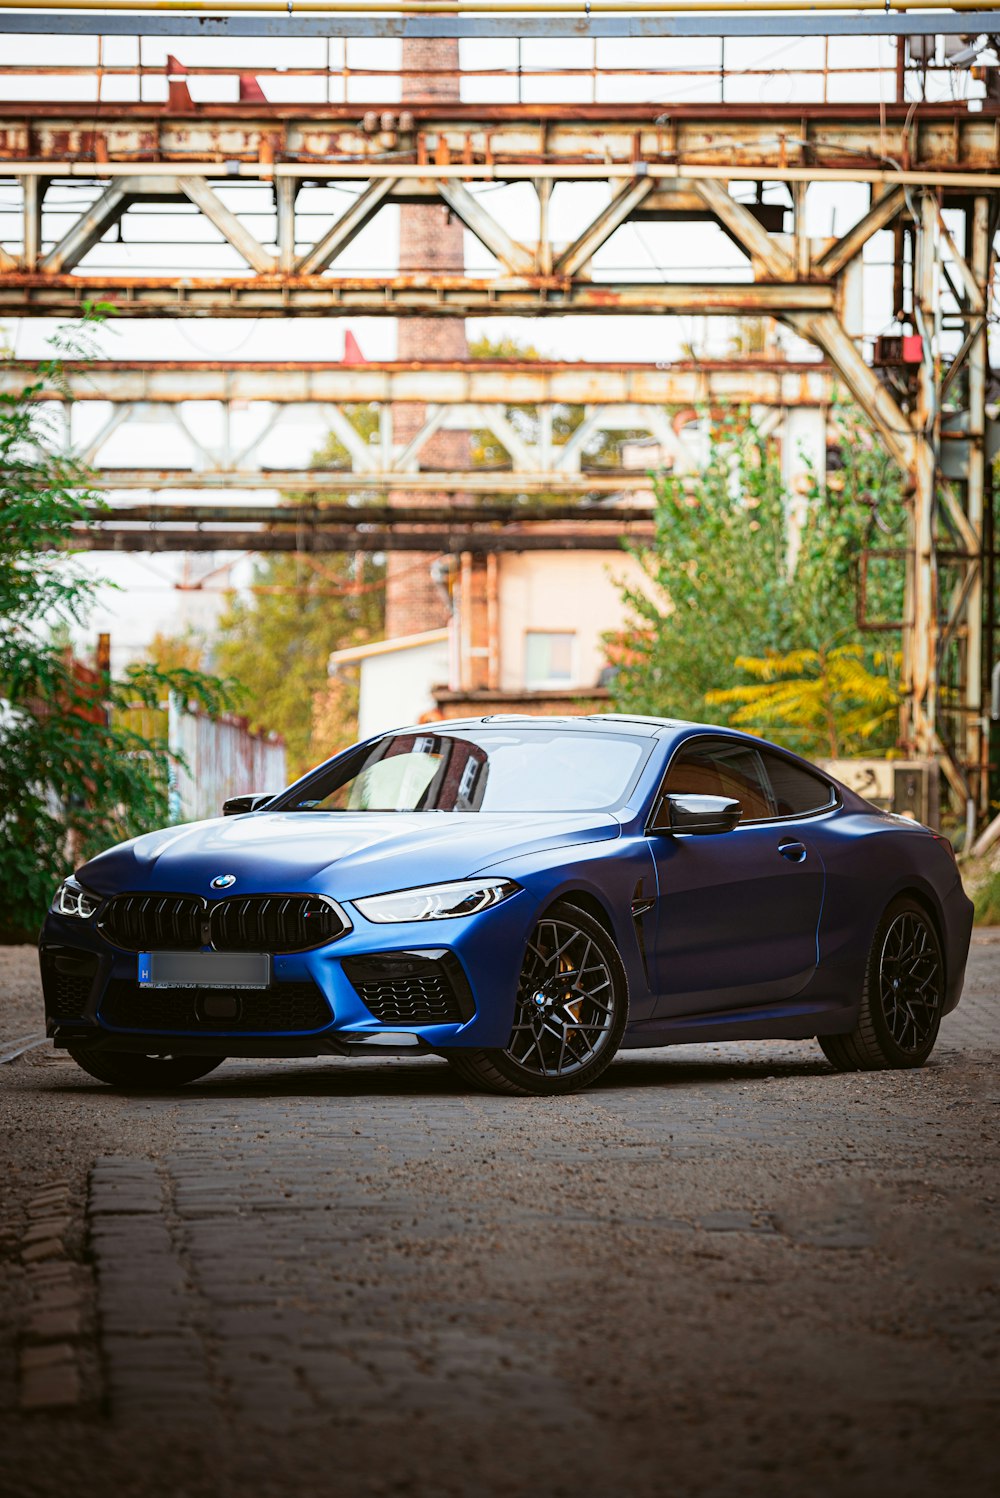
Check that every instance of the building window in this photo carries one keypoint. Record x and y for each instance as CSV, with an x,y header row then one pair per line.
x,y
548,659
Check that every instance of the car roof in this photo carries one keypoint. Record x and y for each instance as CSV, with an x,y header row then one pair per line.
x,y
645,727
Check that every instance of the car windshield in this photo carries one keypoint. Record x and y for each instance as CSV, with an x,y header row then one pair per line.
x,y
489,770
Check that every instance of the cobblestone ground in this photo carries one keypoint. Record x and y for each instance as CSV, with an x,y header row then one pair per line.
x,y
724,1271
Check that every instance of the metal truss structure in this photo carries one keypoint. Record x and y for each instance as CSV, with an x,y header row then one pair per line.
x,y
933,174
672,167
478,396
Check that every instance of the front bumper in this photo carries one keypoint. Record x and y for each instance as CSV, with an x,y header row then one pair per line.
x,y
410,974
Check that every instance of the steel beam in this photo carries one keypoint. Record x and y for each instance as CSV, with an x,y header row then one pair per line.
x,y
451,542
977,737
337,480
731,382
339,515
528,27
491,142
26,295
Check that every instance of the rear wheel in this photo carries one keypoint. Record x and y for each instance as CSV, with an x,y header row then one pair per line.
x,y
570,1015
144,1073
903,996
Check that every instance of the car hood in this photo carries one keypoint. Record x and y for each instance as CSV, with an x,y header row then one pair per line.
x,y
344,854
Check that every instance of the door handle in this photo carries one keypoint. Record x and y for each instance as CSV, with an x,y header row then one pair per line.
x,y
793,851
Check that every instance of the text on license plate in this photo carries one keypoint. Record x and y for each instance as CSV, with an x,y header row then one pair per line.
x,y
204,970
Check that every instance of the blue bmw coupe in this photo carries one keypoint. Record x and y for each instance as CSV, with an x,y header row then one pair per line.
x,y
523,896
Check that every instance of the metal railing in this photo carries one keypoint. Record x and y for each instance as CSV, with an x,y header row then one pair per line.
x,y
341,79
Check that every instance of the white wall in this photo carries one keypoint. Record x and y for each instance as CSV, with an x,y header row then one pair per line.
x,y
396,686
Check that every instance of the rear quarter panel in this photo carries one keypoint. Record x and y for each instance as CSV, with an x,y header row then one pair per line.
x,y
871,858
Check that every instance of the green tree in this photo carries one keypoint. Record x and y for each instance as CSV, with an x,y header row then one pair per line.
x,y
276,641
74,776
829,702
722,603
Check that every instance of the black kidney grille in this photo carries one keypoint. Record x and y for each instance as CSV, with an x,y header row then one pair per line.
x,y
285,1008
242,923
268,923
423,1000
142,923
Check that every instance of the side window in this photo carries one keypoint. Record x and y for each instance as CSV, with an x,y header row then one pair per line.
x,y
796,791
717,768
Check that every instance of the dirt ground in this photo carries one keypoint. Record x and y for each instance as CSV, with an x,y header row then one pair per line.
x,y
723,1271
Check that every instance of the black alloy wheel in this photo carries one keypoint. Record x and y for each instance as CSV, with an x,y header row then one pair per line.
x,y
903,997
143,1073
569,1016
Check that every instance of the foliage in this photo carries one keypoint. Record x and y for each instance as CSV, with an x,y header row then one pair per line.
x,y
276,638
73,776
829,701
186,652
276,641
718,586
986,900
721,599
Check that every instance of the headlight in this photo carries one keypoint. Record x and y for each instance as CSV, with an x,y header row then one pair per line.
x,y
72,899
437,902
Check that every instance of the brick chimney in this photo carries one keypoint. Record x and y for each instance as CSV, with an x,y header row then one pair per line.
x,y
429,241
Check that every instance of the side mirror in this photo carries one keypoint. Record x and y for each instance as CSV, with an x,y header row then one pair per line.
x,y
237,805
696,814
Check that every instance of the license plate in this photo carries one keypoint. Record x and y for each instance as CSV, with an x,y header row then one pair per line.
x,y
204,970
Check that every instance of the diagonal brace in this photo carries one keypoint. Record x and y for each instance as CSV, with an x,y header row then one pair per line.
x,y
89,228
523,456
826,329
622,205
211,205
406,458
350,223
512,255
973,290
363,459
745,229
878,216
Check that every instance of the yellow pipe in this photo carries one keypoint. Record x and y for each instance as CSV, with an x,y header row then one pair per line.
x,y
576,8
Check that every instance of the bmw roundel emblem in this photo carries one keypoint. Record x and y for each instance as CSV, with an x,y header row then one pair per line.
x,y
223,881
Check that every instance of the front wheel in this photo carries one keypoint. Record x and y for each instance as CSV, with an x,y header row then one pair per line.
x,y
903,997
143,1073
570,1014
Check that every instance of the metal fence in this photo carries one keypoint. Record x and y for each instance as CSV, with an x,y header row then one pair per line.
x,y
212,758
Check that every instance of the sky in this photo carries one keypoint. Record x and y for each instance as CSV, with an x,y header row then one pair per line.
x,y
173,239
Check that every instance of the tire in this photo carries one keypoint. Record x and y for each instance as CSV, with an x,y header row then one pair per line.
x,y
143,1073
902,999
552,1049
